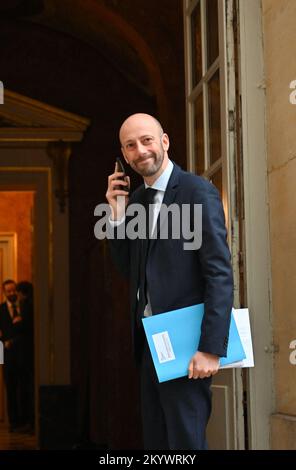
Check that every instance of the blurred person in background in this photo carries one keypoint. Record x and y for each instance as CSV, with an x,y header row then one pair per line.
x,y
11,327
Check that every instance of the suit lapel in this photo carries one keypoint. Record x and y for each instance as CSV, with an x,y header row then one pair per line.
x,y
6,318
169,198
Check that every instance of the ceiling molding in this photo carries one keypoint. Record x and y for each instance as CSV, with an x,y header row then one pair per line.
x,y
32,120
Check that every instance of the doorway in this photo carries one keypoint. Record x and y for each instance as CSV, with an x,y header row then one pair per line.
x,y
16,252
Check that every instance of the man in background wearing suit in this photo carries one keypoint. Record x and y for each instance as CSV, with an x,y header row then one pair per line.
x,y
174,413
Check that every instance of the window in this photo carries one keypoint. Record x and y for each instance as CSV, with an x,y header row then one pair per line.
x,y
203,94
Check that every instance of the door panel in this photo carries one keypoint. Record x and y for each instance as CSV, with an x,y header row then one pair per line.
x,y
8,250
210,108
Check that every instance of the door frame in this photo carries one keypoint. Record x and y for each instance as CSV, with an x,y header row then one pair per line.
x,y
10,241
39,180
228,384
10,238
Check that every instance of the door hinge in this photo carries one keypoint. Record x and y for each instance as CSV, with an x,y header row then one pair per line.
x,y
241,261
231,120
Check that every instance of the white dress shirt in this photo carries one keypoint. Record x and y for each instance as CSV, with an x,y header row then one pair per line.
x,y
10,308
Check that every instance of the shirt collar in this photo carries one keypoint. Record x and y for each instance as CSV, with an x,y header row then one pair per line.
x,y
162,181
10,304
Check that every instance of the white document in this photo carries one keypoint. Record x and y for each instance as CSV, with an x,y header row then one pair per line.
x,y
242,320
163,346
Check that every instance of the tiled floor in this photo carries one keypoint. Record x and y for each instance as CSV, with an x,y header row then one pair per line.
x,y
16,441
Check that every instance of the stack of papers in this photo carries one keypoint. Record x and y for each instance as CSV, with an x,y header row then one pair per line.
x,y
242,320
173,339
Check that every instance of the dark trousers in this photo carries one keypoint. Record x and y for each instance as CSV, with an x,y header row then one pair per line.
x,y
174,413
17,392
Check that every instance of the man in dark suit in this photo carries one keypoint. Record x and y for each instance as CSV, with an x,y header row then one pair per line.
x,y
11,336
175,413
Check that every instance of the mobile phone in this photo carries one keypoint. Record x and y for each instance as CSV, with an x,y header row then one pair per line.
x,y
120,168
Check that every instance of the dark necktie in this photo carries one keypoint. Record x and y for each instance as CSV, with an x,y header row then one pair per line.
x,y
147,199
14,311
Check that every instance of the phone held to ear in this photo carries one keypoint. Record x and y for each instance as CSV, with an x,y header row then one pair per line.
x,y
120,168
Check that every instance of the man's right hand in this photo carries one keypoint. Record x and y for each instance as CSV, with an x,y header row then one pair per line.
x,y
17,319
117,198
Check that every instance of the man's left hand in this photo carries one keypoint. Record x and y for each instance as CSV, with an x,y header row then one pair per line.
x,y
203,365
8,344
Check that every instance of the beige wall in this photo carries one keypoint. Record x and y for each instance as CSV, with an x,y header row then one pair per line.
x,y
15,216
279,20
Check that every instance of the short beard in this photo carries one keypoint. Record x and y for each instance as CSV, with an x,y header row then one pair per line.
x,y
153,169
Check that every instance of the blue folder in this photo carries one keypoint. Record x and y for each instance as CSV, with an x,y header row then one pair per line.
x,y
176,334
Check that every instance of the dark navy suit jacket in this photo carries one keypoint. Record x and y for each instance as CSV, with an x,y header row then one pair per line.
x,y
178,278
12,332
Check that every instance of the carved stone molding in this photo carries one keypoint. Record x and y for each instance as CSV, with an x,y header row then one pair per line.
x,y
28,120
24,120
60,152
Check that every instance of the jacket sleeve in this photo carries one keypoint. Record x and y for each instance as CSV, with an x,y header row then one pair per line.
x,y
120,251
119,243
215,261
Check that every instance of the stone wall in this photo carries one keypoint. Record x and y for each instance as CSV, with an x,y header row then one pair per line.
x,y
280,65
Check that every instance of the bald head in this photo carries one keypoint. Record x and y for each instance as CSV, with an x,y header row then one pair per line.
x,y
138,121
144,145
